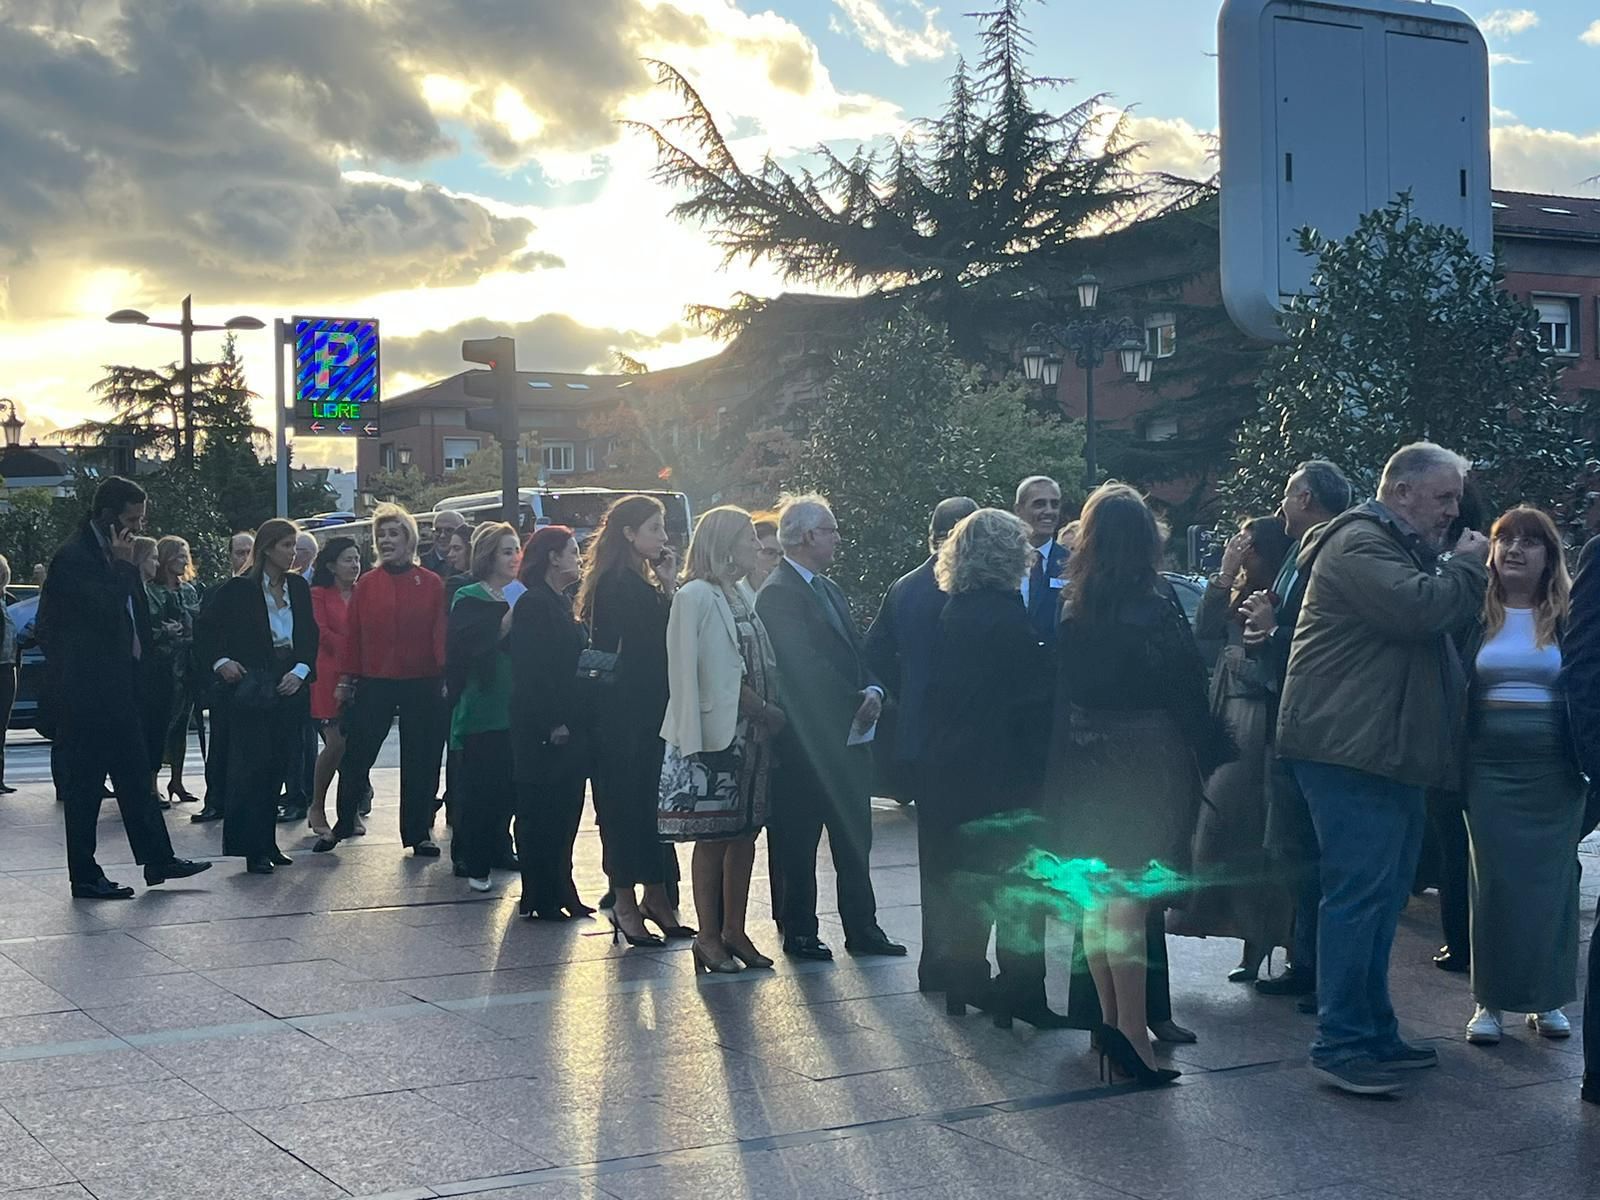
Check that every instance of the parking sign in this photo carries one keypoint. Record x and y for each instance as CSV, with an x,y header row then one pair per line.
x,y
335,377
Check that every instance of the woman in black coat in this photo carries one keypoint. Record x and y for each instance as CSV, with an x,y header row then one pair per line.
x,y
988,713
259,634
625,597
549,730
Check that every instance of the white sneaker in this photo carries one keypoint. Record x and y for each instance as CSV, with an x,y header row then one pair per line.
x,y
1485,1028
1552,1024
480,885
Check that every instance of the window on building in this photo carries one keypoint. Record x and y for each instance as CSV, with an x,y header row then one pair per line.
x,y
1161,429
1558,326
558,457
1160,335
458,450
588,457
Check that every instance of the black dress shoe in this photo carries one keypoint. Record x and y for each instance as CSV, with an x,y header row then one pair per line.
x,y
178,868
813,948
875,942
1290,983
258,866
293,812
1448,960
1170,1031
101,889
508,862
460,870
280,859
1590,1091
324,844
207,813
6,789
427,848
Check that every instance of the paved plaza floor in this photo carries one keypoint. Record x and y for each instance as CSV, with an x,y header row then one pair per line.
x,y
361,1024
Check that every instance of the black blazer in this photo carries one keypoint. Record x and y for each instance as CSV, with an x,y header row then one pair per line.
x,y
988,711
233,624
87,632
899,651
821,672
546,640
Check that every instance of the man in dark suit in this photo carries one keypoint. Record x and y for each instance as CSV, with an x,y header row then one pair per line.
x,y
1316,493
1580,681
444,524
94,626
240,547
1038,504
899,651
832,701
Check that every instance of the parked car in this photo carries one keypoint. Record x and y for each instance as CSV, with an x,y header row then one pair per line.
x,y
30,666
1190,589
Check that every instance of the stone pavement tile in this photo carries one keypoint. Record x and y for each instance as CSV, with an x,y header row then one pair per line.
x,y
63,1191
294,1079
108,955
710,1071
531,1113
1151,1159
389,1142
745,1026
213,957
177,989
571,978
25,997
200,1158
408,963
767,1174
554,1189
24,1162
1344,1191
832,1055
159,1016
429,1064
116,1106
11,973
43,1029
1566,1168
304,988
397,1034
255,1051
73,1071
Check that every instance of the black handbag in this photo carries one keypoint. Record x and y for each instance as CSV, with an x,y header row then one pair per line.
x,y
256,692
597,668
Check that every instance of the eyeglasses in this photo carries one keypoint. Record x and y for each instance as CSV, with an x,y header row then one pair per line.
x,y
1520,541
768,552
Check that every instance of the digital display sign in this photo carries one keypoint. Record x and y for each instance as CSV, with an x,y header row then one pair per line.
x,y
335,377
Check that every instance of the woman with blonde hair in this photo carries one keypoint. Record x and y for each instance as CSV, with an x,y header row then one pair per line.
x,y
174,591
719,721
990,683
393,665
629,576
1524,793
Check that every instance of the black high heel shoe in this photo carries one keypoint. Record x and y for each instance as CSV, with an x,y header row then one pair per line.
x,y
574,905
1249,968
179,794
1115,1046
677,932
649,939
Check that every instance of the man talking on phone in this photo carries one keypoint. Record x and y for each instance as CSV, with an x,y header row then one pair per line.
x,y
94,626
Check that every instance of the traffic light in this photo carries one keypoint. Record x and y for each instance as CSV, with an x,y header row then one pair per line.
x,y
499,385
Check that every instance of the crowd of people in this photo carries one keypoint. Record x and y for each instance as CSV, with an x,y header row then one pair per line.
x,y
1387,675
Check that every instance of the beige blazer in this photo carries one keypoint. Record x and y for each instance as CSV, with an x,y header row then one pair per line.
x,y
704,668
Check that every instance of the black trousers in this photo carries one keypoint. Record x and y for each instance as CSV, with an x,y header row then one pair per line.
x,y
1083,1002
8,697
802,808
1452,870
1591,1009
421,710
261,751
300,770
82,755
549,810
973,895
217,752
485,803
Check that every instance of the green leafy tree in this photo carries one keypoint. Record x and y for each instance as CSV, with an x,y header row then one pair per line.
x,y
31,528
973,217
902,424
1405,333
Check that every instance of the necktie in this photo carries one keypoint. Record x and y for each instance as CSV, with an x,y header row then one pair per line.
x,y
1036,580
819,586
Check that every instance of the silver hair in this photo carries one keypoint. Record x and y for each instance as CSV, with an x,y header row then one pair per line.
x,y
1330,490
987,551
800,515
1410,463
1031,482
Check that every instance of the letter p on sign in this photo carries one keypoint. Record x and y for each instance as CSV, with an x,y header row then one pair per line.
x,y
338,350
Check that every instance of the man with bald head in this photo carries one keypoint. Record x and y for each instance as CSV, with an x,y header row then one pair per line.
x,y
444,523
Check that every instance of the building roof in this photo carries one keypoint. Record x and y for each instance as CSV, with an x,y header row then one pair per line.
x,y
21,463
1536,215
548,389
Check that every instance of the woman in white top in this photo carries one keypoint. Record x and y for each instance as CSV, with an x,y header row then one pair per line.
x,y
1524,792
721,715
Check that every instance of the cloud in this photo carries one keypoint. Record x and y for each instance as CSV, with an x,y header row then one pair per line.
x,y
901,43
1506,60
551,342
1508,22
1591,35
1501,114
1173,147
1544,160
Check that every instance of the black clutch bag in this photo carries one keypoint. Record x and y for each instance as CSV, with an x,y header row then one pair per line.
x,y
256,692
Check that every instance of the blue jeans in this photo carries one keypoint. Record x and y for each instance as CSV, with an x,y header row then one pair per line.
x,y
1370,830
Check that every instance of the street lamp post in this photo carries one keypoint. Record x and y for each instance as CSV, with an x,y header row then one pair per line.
x,y
1088,339
12,424
187,328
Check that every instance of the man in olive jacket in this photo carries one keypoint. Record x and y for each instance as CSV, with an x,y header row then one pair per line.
x,y
1372,715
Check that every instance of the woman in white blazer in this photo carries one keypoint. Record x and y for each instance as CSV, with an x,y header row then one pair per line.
x,y
721,716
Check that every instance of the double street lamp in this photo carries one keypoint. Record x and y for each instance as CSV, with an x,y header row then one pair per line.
x,y
188,328
1088,338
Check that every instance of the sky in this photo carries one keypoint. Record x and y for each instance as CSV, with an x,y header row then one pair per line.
x,y
462,167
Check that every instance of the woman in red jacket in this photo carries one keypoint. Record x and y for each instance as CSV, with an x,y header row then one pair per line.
x,y
393,664
333,582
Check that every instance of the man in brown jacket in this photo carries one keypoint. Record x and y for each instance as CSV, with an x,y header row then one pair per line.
x,y
1372,715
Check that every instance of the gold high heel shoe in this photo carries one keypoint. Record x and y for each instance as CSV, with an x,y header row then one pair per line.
x,y
726,966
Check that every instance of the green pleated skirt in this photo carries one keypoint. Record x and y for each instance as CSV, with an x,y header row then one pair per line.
x,y
1524,814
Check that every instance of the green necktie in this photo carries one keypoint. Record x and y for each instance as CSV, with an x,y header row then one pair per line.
x,y
820,587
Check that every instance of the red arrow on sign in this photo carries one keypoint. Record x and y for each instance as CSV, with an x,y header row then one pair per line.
x,y
316,427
